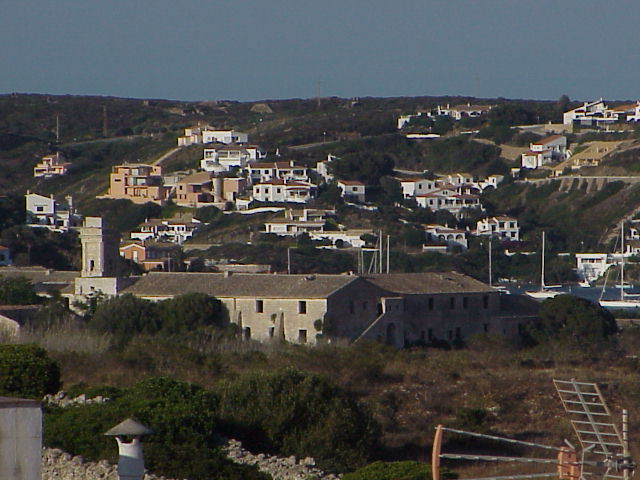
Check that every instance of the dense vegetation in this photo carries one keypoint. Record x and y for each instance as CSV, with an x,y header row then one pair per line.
x,y
27,371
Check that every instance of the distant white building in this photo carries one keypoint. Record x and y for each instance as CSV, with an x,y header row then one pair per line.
x,y
591,266
445,199
416,186
344,238
323,170
267,171
589,113
501,227
51,166
545,151
452,237
283,191
224,136
221,158
46,212
192,136
458,112
352,190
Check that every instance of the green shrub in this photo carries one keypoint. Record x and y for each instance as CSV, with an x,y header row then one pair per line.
x,y
296,413
27,371
181,415
17,291
395,471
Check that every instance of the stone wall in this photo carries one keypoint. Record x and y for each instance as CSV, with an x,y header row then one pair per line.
x,y
58,465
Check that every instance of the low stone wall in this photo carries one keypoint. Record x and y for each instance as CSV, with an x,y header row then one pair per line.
x,y
58,465
279,468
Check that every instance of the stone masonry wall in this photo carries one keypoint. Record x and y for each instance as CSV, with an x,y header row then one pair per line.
x,y
58,465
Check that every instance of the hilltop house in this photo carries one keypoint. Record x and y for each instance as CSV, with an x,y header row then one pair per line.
x,y
451,237
51,166
206,134
175,230
416,186
219,158
589,113
458,112
323,168
297,222
46,212
544,151
501,227
139,183
445,199
283,191
267,171
197,190
352,190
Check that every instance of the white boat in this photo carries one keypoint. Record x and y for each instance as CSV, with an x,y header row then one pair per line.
x,y
546,291
624,301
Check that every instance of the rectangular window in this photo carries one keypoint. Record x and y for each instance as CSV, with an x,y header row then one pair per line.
x,y
458,333
452,303
465,302
485,327
430,333
302,336
430,304
485,301
259,306
302,306
272,331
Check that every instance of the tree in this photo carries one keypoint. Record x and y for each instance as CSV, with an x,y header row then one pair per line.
x,y
17,291
27,371
189,312
126,315
392,190
572,320
509,114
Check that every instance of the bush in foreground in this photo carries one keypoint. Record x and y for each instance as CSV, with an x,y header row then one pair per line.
x,y
27,371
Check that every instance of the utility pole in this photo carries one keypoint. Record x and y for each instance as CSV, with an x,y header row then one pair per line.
x,y
289,260
388,237
381,252
104,121
58,128
490,261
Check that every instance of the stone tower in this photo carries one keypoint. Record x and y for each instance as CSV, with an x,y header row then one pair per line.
x,y
100,259
99,249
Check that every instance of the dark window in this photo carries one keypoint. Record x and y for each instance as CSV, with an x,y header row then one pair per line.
x,y
458,333
430,304
302,336
272,331
450,334
246,333
430,333
302,306
259,306
452,303
465,302
485,301
485,327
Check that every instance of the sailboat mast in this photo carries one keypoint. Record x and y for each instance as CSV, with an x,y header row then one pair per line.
x,y
622,260
542,269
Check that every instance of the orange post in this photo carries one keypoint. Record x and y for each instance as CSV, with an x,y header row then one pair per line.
x,y
435,453
568,468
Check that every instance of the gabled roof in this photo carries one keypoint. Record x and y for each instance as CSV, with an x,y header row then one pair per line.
x,y
416,283
196,178
162,284
351,182
547,140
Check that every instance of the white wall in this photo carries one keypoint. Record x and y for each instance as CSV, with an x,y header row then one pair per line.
x,y
20,439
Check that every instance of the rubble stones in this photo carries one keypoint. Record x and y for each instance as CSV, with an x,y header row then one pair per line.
x,y
61,399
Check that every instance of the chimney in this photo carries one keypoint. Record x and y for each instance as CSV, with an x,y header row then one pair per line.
x,y
131,461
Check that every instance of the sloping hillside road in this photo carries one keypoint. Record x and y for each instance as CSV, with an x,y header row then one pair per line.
x,y
165,155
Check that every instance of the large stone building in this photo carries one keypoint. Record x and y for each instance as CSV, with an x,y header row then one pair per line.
x,y
399,309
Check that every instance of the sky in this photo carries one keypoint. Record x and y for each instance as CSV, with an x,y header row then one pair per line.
x,y
273,49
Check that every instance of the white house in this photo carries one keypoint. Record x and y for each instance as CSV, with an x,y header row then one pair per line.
x,y
447,200
458,112
323,170
588,113
352,189
491,181
452,237
533,160
267,171
502,227
175,230
220,158
224,136
46,212
51,166
297,222
591,266
556,144
416,186
283,191
345,238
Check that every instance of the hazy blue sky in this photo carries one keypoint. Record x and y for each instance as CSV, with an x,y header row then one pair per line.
x,y
261,49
